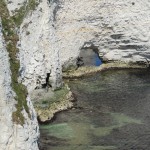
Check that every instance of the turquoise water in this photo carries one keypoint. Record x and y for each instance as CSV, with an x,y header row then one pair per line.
x,y
112,113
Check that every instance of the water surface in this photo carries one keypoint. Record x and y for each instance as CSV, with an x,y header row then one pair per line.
x,y
112,113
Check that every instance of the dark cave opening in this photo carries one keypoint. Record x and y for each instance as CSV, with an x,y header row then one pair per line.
x,y
47,83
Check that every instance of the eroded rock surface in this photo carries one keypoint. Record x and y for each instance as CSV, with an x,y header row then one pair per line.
x,y
14,136
119,29
14,5
55,32
39,53
47,103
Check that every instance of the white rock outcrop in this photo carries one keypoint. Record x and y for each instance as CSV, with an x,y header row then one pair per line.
x,y
119,29
14,5
54,33
13,136
39,49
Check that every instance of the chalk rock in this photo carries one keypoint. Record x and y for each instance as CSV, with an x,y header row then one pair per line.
x,y
118,29
13,136
39,50
52,35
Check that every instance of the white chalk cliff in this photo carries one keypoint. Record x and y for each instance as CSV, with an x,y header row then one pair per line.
x,y
14,136
52,35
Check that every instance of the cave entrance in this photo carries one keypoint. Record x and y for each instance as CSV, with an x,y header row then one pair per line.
x,y
47,84
89,57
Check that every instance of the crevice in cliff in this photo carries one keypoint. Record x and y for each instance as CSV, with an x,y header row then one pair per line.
x,y
56,7
47,85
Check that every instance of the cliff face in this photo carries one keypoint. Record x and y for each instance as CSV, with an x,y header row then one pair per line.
x,y
54,34
118,29
14,136
39,51
51,35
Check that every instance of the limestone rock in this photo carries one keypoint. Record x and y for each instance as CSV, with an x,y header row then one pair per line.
x,y
14,5
13,136
119,29
52,35
39,51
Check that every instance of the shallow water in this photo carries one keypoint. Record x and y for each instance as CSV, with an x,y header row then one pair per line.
x,y
113,113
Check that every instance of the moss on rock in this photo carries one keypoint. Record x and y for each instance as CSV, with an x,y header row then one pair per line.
x,y
23,11
48,103
11,39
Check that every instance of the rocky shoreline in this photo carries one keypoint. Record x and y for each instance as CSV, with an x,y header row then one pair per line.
x,y
48,103
88,70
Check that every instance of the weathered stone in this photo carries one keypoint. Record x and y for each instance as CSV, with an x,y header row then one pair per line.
x,y
14,136
119,29
58,30
47,103
39,51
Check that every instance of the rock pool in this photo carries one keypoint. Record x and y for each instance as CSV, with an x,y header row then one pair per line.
x,y
112,113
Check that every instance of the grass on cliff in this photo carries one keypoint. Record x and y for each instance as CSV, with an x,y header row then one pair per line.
x,y
23,11
11,39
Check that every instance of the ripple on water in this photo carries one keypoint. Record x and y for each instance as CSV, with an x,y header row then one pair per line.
x,y
115,114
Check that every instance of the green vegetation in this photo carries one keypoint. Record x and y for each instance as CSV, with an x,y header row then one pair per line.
x,y
53,98
69,68
46,104
59,94
9,31
23,11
